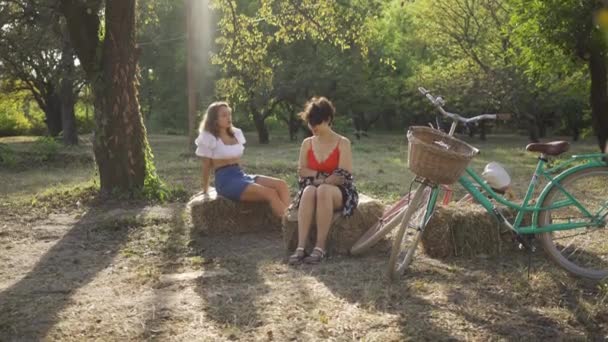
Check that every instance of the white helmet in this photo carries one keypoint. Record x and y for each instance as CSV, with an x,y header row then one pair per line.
x,y
496,176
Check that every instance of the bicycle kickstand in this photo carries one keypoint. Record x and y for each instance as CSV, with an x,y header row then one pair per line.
x,y
526,242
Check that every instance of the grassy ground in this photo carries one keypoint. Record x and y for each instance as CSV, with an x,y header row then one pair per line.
x,y
71,269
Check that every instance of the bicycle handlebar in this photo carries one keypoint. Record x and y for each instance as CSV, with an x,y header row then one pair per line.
x,y
439,102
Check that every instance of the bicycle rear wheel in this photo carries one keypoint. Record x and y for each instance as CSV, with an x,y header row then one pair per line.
x,y
581,251
410,232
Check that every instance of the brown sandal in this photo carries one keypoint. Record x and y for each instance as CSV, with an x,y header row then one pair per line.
x,y
297,257
315,257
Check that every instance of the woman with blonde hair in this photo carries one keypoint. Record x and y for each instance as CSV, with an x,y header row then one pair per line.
x,y
221,147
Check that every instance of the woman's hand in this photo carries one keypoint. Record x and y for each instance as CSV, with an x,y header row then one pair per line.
x,y
334,179
319,180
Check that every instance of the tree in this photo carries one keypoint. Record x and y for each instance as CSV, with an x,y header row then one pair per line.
x,y
109,57
253,38
570,25
36,55
471,57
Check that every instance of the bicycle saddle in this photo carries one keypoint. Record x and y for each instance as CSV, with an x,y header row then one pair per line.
x,y
552,148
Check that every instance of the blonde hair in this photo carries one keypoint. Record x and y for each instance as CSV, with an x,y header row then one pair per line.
x,y
209,122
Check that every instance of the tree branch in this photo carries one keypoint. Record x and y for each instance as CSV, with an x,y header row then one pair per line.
x,y
83,22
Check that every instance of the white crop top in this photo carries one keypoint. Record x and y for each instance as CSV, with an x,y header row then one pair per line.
x,y
207,145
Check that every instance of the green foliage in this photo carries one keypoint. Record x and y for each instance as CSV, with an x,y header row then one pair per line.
x,y
45,149
19,115
7,156
163,85
267,58
13,124
285,52
36,60
154,188
369,57
84,113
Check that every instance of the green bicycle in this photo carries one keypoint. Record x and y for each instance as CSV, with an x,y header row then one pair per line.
x,y
569,216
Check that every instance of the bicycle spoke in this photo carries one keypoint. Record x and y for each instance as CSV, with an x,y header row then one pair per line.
x,y
569,236
582,250
407,237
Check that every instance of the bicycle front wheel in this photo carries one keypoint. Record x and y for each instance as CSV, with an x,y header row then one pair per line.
x,y
581,251
386,224
410,232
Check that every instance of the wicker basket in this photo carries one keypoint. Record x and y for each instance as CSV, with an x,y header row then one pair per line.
x,y
437,156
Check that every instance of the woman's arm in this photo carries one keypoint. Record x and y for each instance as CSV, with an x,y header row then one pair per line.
x,y
345,163
206,170
303,170
346,155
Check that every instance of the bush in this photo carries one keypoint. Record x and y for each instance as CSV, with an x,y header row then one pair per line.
x,y
12,125
45,149
84,117
7,156
13,118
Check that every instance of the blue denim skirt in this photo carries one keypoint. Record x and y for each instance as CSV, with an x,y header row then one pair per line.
x,y
231,181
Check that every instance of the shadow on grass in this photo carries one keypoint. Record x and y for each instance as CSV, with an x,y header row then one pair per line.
x,y
31,307
493,296
232,297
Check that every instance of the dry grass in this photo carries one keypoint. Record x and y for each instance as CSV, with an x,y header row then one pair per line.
x,y
126,272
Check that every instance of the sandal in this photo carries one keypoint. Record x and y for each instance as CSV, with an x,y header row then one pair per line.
x,y
297,257
316,256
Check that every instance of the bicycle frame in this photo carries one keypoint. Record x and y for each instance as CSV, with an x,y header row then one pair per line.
x,y
568,167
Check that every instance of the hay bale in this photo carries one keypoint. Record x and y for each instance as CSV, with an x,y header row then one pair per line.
x,y
214,214
465,230
344,232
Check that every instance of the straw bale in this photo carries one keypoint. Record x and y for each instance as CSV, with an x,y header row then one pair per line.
x,y
214,214
465,230
344,231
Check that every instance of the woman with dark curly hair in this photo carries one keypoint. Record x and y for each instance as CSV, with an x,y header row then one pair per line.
x,y
325,179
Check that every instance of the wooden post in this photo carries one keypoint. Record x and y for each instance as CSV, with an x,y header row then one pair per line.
x,y
192,73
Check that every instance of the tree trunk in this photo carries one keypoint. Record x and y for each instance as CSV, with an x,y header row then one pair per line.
x,y
260,126
387,118
120,137
68,98
68,119
293,123
482,130
120,144
148,115
357,123
542,126
52,113
533,131
599,91
292,127
575,133
192,74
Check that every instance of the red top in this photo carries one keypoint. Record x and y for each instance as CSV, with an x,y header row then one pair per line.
x,y
328,165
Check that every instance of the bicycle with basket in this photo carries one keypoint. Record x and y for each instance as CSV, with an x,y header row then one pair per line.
x,y
569,216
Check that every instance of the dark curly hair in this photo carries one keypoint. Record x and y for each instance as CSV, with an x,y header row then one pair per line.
x,y
317,110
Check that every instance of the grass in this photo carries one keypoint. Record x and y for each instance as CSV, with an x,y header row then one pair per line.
x,y
72,269
379,163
